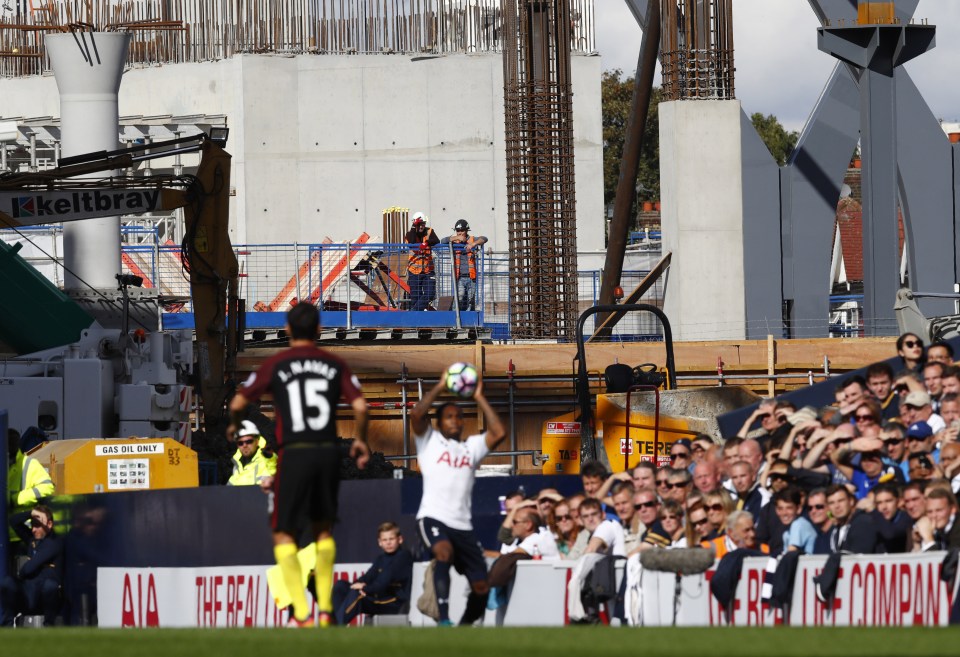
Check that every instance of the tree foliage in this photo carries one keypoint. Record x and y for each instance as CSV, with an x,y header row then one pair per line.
x,y
616,98
779,141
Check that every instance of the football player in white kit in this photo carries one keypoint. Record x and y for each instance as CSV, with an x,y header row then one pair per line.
x,y
445,521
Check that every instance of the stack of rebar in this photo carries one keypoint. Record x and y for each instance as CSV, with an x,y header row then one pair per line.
x,y
169,31
696,50
541,198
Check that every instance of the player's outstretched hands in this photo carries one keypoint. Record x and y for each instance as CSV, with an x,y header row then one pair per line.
x,y
478,393
360,452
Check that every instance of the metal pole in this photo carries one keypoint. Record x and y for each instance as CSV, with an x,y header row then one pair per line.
x,y
630,159
349,282
403,399
511,369
456,291
296,268
4,534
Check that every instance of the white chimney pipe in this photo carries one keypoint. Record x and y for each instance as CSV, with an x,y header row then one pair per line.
x,y
88,67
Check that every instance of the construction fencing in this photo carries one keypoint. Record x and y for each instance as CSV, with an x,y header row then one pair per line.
x,y
372,280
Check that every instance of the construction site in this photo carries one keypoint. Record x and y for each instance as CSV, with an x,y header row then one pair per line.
x,y
175,177
457,109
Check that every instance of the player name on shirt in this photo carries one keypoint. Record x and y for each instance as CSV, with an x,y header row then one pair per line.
x,y
318,367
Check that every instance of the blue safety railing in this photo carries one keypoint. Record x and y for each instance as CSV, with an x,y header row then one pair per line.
x,y
361,285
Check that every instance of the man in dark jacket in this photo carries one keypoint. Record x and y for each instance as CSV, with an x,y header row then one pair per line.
x,y
854,530
385,588
36,587
893,523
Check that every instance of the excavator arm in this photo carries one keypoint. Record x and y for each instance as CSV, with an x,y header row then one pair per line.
x,y
58,195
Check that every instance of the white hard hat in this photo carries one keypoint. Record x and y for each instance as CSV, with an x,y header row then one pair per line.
x,y
248,428
419,217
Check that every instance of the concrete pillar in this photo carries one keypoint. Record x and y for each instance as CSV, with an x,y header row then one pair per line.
x,y
701,192
87,67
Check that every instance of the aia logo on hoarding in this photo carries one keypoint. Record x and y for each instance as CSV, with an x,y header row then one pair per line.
x,y
24,206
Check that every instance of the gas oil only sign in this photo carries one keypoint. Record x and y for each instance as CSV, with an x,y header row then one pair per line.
x,y
129,449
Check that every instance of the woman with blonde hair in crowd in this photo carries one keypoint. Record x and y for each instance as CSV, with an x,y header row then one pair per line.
x,y
671,519
718,505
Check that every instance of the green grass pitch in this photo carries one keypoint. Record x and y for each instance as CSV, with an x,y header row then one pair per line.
x,y
498,642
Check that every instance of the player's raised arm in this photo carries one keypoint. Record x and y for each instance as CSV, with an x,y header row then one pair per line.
x,y
420,416
496,431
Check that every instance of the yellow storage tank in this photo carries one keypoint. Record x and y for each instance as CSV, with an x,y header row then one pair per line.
x,y
107,465
683,413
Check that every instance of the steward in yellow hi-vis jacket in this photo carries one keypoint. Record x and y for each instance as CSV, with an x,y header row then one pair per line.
x,y
252,463
27,480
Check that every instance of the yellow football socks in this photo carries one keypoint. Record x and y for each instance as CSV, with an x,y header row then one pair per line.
x,y
286,555
326,555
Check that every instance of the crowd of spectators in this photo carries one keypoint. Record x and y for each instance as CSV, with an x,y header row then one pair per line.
x,y
877,471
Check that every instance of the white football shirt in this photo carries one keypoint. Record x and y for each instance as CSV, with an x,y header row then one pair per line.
x,y
544,542
448,468
611,533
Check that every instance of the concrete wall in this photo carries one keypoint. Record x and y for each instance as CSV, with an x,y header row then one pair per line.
x,y
322,144
701,193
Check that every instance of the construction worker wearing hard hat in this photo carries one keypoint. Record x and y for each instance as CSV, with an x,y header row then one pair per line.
x,y
420,271
465,263
253,462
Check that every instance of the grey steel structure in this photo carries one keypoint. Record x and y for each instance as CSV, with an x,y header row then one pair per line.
x,y
789,212
541,221
875,52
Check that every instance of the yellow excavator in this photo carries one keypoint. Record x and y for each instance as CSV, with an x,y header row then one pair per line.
x,y
60,195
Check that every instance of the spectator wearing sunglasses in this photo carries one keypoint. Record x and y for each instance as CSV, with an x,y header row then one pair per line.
x,y
679,484
681,454
819,516
662,478
718,505
572,539
647,506
868,417
893,435
910,350
698,526
252,462
671,519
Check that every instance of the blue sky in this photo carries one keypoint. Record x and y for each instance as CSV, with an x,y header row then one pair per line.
x,y
779,69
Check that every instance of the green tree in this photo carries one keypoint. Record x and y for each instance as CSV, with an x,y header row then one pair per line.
x,y
779,141
616,98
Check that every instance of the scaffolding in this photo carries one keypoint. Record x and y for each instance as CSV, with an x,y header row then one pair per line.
x,y
541,220
697,50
